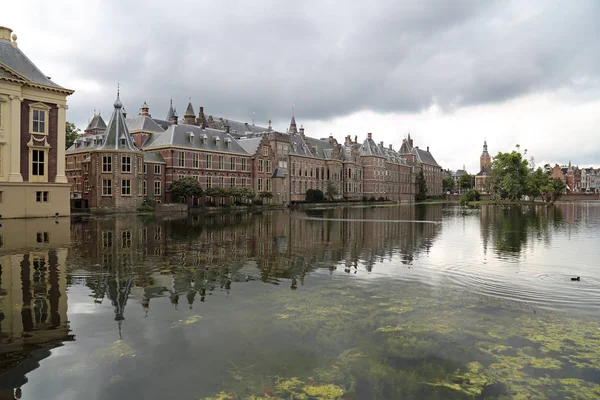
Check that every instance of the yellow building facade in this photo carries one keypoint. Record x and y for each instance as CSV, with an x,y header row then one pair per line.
x,y
32,137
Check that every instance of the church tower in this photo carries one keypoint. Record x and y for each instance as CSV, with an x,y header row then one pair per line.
x,y
485,161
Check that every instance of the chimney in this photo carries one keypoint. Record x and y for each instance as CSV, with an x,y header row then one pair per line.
x,y
174,118
355,138
391,147
381,143
201,120
226,125
428,149
5,34
145,110
369,136
270,126
302,131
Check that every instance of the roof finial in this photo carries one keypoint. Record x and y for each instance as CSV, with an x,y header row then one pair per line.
x,y
118,89
293,110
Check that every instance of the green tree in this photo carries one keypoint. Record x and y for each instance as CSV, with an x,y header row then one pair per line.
x,y
554,189
421,187
509,173
332,190
448,184
466,181
537,183
186,187
314,196
72,133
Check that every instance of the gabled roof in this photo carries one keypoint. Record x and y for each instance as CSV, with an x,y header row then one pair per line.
x,y
97,123
369,148
153,157
195,137
17,62
250,145
117,136
143,123
425,156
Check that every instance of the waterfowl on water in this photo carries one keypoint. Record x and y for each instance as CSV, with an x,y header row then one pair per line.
x,y
576,279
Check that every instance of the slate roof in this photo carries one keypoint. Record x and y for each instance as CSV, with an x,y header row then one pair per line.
x,y
484,171
13,58
298,146
117,136
153,157
86,143
192,136
143,123
425,157
96,123
189,112
392,155
170,113
236,127
250,145
322,148
369,148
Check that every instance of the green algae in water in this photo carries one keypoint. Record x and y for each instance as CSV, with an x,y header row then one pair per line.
x,y
399,344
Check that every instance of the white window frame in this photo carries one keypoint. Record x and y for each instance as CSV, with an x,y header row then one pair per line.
x,y
126,186
45,112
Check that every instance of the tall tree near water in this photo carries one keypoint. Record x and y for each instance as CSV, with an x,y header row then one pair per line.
x,y
421,187
509,175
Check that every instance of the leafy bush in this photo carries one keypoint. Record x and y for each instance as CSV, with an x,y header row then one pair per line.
x,y
145,208
314,196
381,198
471,195
372,198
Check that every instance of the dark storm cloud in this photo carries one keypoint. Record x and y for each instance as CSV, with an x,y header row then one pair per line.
x,y
332,58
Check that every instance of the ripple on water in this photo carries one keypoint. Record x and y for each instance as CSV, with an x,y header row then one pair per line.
x,y
525,284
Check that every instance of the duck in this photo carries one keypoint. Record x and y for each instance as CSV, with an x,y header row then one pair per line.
x,y
576,279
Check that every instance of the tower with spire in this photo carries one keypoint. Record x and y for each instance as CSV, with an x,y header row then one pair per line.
x,y
293,127
485,161
189,118
115,166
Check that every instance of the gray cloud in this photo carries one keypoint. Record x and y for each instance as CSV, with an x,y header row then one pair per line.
x,y
330,58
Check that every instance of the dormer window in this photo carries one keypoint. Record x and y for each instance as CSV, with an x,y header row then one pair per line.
x,y
123,142
227,142
191,136
217,139
204,139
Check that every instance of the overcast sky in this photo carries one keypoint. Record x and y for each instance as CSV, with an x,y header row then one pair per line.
x,y
451,72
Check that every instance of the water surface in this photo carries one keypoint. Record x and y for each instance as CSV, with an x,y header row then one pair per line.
x,y
436,302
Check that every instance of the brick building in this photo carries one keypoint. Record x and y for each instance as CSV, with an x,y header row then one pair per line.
x,y
32,137
222,153
106,168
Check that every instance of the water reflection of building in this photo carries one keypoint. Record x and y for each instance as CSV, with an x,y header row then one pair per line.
x,y
189,257
33,299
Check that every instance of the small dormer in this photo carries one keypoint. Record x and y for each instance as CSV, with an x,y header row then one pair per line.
x,y
204,139
216,139
123,140
191,137
227,142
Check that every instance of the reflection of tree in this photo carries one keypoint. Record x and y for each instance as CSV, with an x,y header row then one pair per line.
x,y
512,228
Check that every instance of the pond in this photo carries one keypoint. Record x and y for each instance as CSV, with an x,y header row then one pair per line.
x,y
379,302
